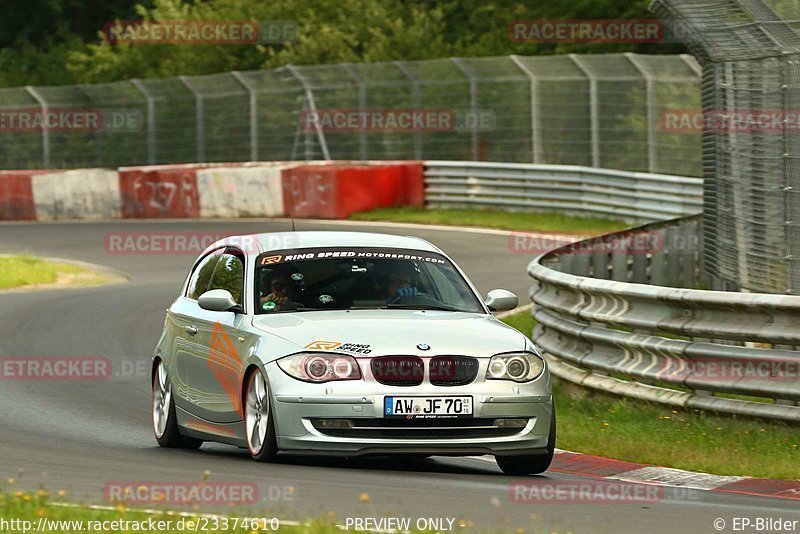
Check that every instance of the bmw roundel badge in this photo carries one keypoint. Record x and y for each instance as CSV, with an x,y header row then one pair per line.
x,y
424,346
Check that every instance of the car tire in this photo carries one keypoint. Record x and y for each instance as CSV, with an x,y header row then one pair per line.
x,y
530,464
259,419
165,421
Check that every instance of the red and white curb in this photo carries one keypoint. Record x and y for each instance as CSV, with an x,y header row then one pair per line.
x,y
590,466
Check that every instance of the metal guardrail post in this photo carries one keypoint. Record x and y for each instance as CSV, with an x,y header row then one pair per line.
x,y
416,102
693,64
594,103
473,104
199,118
363,148
536,112
151,120
792,247
253,97
313,107
45,130
652,146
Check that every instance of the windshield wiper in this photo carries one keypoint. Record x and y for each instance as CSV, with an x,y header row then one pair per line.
x,y
420,307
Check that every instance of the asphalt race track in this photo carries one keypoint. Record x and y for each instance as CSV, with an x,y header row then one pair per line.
x,y
80,435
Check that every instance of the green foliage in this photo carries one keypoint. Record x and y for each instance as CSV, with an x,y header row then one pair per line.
x,y
60,41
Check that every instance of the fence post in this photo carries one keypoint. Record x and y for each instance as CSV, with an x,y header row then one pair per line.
x,y
251,91
652,147
416,102
313,107
594,104
473,104
199,119
45,130
97,136
693,64
151,120
362,106
536,115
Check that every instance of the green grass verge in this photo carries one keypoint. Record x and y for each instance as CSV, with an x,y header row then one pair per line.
x,y
594,422
29,508
505,220
40,512
20,271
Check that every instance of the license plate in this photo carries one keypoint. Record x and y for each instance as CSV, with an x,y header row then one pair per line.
x,y
427,407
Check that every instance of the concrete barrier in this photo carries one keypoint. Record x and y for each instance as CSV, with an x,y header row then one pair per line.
x,y
77,194
241,191
268,189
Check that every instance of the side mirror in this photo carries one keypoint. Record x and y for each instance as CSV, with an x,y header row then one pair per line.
x,y
218,300
499,300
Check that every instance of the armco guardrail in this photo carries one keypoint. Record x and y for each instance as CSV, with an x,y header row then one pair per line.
x,y
602,325
565,188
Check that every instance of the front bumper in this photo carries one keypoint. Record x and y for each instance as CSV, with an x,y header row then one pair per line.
x,y
298,408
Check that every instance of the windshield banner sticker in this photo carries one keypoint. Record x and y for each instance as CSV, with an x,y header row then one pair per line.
x,y
360,253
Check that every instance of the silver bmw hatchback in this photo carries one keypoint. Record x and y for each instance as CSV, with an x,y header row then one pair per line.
x,y
349,344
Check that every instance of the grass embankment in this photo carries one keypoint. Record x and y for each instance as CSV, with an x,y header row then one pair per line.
x,y
28,509
503,220
23,272
22,511
593,422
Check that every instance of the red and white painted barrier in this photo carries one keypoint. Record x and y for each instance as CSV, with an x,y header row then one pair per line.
x,y
336,191
16,196
325,190
159,192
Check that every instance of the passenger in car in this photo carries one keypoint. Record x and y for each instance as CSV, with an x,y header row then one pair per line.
x,y
282,293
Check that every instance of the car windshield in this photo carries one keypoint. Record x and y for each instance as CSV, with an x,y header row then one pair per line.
x,y
360,278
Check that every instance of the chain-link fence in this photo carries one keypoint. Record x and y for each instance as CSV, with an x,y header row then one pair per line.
x,y
596,110
750,52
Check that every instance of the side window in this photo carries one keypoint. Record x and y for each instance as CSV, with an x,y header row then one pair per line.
x,y
198,283
229,275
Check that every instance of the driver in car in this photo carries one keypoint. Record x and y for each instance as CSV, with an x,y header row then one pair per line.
x,y
400,281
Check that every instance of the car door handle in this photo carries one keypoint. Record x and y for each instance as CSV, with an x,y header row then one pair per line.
x,y
191,330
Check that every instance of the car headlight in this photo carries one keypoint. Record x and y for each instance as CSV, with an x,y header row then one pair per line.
x,y
516,366
320,367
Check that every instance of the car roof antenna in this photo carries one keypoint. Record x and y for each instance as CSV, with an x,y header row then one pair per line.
x,y
293,228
